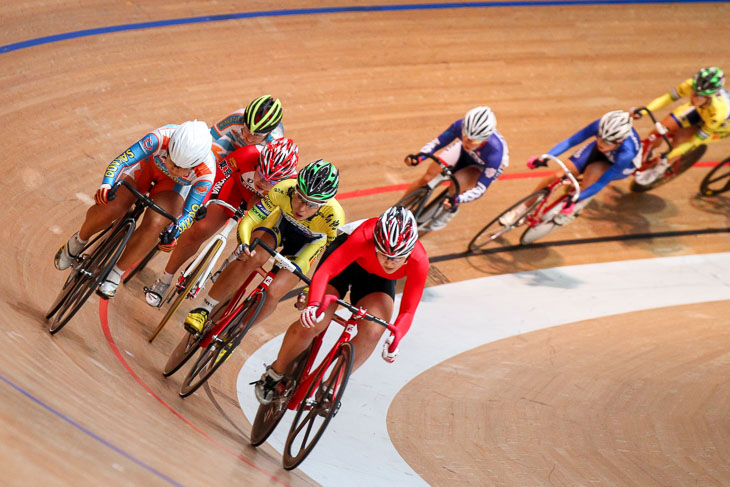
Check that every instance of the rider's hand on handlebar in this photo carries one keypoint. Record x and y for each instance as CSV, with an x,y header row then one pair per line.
x,y
100,197
310,316
244,251
635,113
390,349
167,247
168,239
534,162
411,160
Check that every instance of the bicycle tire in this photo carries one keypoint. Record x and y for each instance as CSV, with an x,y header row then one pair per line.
x,y
268,416
221,347
432,209
338,372
685,162
719,173
536,232
188,284
484,237
189,344
91,273
415,200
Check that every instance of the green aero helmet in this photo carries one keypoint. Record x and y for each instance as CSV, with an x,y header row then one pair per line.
x,y
708,81
263,114
318,181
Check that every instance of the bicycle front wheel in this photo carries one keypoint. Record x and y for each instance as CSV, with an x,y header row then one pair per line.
x,y
188,345
188,284
493,231
319,407
717,181
88,276
221,346
685,162
268,416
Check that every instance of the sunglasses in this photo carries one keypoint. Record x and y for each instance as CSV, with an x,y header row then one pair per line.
x,y
307,202
390,258
254,134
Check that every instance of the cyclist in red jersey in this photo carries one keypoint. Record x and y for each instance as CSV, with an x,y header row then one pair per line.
x,y
242,179
367,263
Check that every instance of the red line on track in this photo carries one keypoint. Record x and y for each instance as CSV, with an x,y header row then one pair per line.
x,y
103,317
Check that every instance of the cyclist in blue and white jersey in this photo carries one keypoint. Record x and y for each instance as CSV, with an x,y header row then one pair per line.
x,y
477,154
614,154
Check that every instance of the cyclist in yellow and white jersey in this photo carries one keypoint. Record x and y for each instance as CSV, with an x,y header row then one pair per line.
x,y
704,119
301,215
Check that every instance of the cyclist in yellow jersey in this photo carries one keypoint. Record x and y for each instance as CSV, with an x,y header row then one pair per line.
x,y
300,215
704,119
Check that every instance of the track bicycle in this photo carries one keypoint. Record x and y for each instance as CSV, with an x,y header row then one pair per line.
x,y
192,280
99,256
541,208
717,181
649,157
315,393
419,201
225,329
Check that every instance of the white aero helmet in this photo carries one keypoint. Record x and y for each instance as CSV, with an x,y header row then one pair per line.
x,y
479,123
190,144
615,126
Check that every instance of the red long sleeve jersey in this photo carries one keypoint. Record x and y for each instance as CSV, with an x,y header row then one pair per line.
x,y
360,247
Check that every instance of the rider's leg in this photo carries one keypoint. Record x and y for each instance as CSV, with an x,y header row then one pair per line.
x,y
97,218
143,239
467,178
368,333
229,281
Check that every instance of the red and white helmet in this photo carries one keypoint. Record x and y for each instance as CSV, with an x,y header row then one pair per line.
x,y
396,232
278,159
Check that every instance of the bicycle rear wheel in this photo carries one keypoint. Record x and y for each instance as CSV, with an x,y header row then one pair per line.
x,y
221,346
268,416
685,162
141,265
92,270
494,230
716,181
432,209
415,200
317,409
188,284
188,344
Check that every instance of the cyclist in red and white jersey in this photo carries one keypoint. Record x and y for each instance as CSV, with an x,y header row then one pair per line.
x,y
242,179
366,263
176,165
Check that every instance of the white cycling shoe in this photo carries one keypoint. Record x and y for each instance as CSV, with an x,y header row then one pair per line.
x,y
510,217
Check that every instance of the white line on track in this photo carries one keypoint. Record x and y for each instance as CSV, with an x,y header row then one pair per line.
x,y
455,318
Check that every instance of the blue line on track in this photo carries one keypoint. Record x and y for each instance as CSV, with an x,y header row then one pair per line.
x,y
324,10
90,433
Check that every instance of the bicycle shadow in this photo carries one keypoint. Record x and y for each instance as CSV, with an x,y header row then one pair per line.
x,y
716,205
513,260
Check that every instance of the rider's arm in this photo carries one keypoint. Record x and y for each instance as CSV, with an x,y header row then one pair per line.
x,y
451,133
417,271
590,130
254,216
493,155
139,150
222,147
684,89
329,218
199,189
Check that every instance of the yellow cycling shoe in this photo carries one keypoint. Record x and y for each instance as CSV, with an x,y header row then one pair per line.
x,y
195,321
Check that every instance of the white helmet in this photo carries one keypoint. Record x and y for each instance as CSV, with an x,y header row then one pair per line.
x,y
479,123
615,126
190,144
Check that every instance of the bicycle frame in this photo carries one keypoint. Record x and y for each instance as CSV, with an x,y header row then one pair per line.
x,y
349,331
423,201
221,236
546,206
646,143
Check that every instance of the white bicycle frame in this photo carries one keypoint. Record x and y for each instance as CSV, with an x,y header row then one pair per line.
x,y
569,174
221,236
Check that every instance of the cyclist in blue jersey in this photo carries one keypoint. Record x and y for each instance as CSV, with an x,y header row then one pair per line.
x,y
614,154
477,154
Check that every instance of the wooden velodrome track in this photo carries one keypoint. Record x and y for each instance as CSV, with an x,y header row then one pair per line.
x,y
361,88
